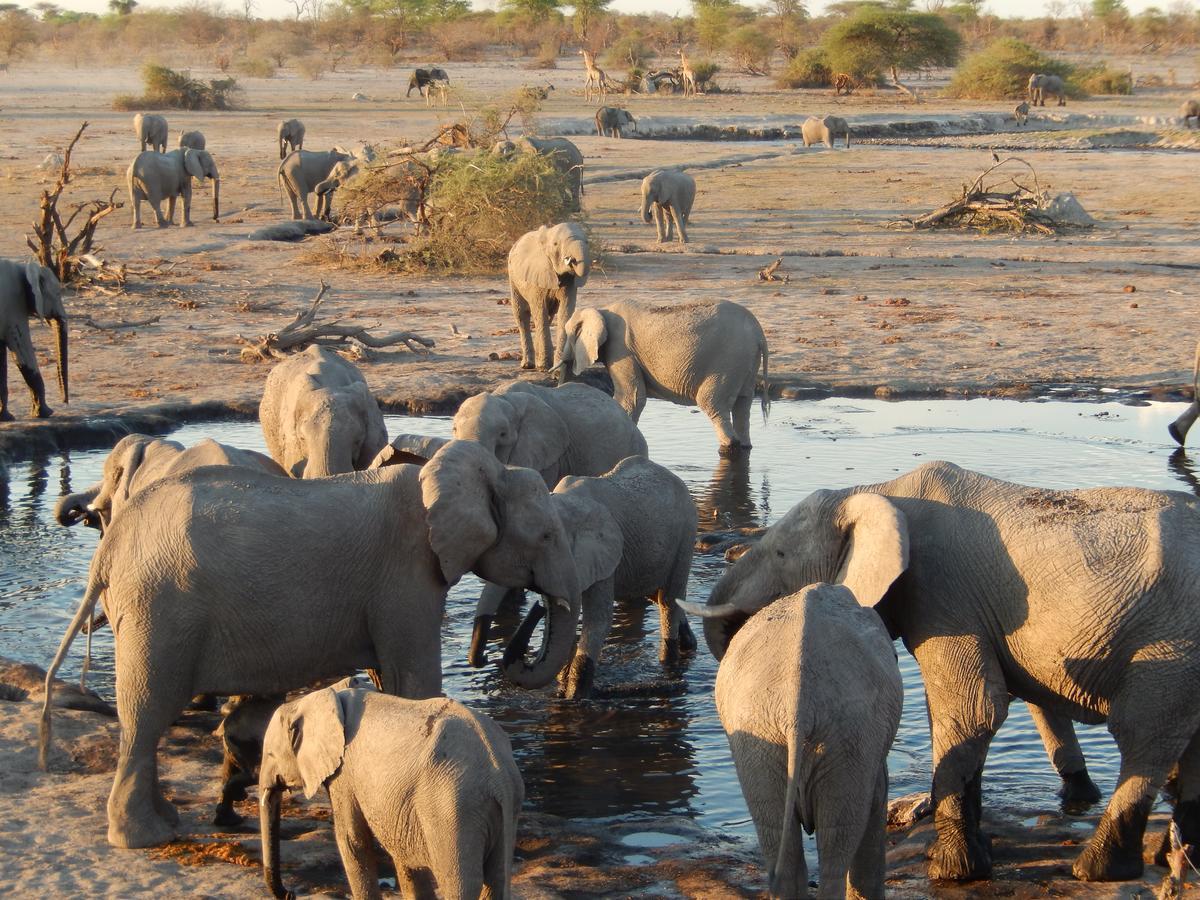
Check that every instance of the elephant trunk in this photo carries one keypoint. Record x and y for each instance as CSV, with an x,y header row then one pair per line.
x,y
646,206
75,508
59,324
269,826
558,643
216,198
477,656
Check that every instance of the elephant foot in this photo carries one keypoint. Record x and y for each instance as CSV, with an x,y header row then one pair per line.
x,y
42,411
227,817
960,859
6,416
580,677
527,365
668,652
134,832
1117,865
731,451
1078,792
1115,851
687,638
166,809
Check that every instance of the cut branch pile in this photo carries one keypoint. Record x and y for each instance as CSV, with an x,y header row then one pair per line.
x,y
305,330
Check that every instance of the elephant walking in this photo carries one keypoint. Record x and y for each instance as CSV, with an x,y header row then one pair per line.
x,y
155,177
668,194
825,130
546,269
151,130
290,135
1042,85
29,290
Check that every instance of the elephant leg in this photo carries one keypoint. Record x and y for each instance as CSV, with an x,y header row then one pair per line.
x,y
158,216
597,616
522,314
410,659
1078,791
5,415
22,345
741,417
868,870
762,774
687,638
671,620
1187,803
629,387
455,857
292,199
236,780
187,205
355,843
660,227
543,349
709,399
304,203
680,224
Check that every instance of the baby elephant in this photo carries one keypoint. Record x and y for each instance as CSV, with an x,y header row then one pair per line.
x,y
434,783
825,131
810,696
669,195
241,732
192,140
611,121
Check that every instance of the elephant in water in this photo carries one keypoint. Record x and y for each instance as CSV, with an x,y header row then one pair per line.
x,y
1180,427
1041,85
825,130
323,576
151,131
29,290
809,695
696,354
546,269
303,172
668,194
433,782
290,135
155,177
318,415
1072,600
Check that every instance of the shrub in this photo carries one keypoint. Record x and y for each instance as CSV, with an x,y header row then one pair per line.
x,y
809,69
1001,71
705,70
878,39
629,52
256,67
167,89
547,55
1100,79
751,49
311,67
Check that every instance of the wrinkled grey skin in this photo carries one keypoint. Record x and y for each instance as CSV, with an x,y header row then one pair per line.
x,y
433,782
319,417
242,731
809,695
632,533
413,449
290,135
191,140
611,121
1180,427
1188,111
696,354
155,177
302,171
1021,113
564,154
668,194
151,131
342,173
546,269
1071,602
27,291
1041,85
322,577
825,130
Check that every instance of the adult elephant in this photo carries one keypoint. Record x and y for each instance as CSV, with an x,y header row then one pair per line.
x,y
546,269
151,131
224,581
29,290
318,415
1084,602
290,135
825,130
1040,85
561,152
302,171
155,177
697,354
668,194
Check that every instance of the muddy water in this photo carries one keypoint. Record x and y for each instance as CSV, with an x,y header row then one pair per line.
x,y
652,744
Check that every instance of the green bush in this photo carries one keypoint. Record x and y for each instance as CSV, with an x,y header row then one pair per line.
x,y
751,49
809,69
1100,79
878,40
629,52
256,67
167,89
705,70
1001,71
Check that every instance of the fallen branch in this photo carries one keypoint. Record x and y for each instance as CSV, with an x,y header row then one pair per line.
x,y
116,326
767,273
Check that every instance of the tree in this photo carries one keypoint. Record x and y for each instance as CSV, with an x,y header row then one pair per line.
x,y
876,40
789,17
122,7
534,10
714,20
16,32
587,12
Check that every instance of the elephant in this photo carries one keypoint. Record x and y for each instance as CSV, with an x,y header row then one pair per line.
x,y
302,171
564,154
318,415
191,140
428,80
29,290
414,449
611,121
1041,85
632,533
810,697
546,269
1190,110
1180,427
290,135
242,731
702,354
151,130
342,173
669,194
825,130
1021,113
433,782
322,576
155,177
1070,602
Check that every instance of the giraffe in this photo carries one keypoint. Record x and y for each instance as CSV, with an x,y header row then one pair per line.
x,y
689,74
596,79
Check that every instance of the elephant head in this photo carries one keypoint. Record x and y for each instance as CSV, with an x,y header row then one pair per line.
x,y
586,333
856,539
566,250
96,506
500,523
520,429
339,431
200,165
342,171
44,299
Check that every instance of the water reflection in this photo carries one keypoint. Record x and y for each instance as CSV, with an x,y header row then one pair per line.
x,y
1184,469
727,501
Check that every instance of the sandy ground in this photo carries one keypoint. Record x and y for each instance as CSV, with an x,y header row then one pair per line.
x,y
868,310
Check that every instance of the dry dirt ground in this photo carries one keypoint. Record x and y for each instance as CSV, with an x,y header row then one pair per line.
x,y
867,309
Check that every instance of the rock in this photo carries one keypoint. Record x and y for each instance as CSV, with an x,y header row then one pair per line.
x,y
904,812
25,681
1064,209
295,230
358,95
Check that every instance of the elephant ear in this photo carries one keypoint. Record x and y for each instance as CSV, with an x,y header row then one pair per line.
x,y
192,164
458,489
43,302
877,550
587,338
133,461
318,735
597,543
542,435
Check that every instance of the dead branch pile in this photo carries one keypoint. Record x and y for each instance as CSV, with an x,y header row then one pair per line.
x,y
304,330
51,242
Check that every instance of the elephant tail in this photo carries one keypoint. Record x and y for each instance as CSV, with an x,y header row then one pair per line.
x,y
497,865
786,862
84,614
765,400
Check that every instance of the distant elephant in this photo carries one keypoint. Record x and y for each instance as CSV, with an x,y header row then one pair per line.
x,y
696,354
825,130
546,269
1041,85
1021,113
1190,110
242,731
426,81
564,154
322,577
301,173
809,695
669,195
155,177
1071,603
290,134
433,782
319,417
136,462
611,121
29,290
151,131
1180,427
632,532
191,140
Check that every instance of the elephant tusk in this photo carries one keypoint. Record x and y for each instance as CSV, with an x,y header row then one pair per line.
x,y
704,611
559,601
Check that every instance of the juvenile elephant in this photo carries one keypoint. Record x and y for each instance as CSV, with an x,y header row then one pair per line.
x,y
546,269
155,177
1073,601
809,695
699,354
1189,111
564,154
611,121
191,140
632,532
290,135
825,130
433,782
322,577
1041,85
318,415
1180,427
151,131
29,290
302,172
242,731
669,195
